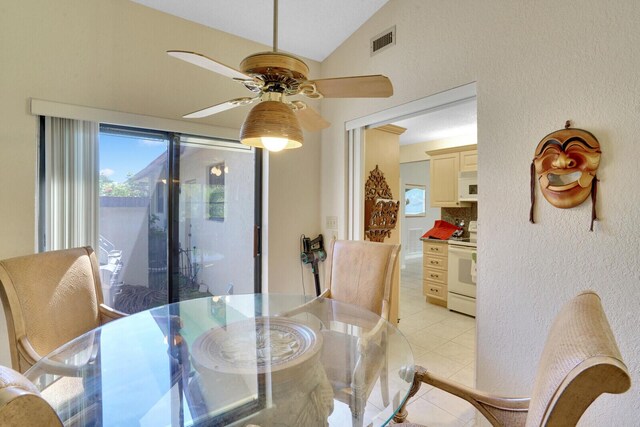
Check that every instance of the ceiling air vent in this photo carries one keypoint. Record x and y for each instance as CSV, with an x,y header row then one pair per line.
x,y
383,41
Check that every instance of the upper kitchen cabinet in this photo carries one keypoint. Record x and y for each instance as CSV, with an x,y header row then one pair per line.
x,y
444,170
469,161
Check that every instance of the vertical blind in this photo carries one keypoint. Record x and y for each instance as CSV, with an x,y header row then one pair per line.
x,y
71,183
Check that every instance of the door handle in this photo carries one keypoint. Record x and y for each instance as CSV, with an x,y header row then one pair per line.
x,y
257,241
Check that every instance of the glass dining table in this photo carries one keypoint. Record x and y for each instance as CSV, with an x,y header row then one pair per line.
x,y
243,360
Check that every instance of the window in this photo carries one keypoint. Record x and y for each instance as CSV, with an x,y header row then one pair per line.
x,y
217,173
415,203
159,194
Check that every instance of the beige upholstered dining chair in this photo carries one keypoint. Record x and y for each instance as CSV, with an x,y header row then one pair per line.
x,y
49,299
580,361
358,273
21,404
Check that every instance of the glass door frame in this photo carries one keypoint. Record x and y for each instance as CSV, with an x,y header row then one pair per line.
x,y
173,205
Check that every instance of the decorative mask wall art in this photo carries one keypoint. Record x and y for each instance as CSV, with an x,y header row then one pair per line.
x,y
565,164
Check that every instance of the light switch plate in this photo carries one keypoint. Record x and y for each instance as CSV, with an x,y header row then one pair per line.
x,y
332,222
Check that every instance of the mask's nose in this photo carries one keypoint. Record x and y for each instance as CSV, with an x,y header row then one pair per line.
x,y
563,162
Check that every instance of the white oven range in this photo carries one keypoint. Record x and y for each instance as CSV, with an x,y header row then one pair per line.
x,y
461,285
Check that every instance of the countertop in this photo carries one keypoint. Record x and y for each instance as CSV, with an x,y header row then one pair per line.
x,y
426,239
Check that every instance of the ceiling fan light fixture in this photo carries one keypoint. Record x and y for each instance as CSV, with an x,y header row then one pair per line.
x,y
274,76
271,125
274,144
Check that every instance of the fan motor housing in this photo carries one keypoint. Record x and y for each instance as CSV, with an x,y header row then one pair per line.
x,y
276,65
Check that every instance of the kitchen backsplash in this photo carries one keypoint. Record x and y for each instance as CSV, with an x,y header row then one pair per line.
x,y
467,214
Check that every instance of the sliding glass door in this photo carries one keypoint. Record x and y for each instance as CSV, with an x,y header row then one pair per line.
x,y
178,217
216,208
132,218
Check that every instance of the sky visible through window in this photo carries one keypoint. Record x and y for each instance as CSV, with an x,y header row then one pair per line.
x,y
126,155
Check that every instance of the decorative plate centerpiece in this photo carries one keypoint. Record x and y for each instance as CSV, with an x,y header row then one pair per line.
x,y
263,344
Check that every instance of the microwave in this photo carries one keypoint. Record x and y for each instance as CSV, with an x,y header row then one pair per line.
x,y
468,186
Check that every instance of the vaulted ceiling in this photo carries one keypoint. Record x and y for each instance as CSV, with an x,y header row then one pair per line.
x,y
308,28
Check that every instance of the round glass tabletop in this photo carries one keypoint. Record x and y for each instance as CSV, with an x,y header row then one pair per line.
x,y
232,360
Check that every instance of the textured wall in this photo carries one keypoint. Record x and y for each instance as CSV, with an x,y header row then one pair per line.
x,y
536,65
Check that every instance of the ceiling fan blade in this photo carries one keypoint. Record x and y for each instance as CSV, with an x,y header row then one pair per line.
x,y
377,86
309,118
208,64
218,108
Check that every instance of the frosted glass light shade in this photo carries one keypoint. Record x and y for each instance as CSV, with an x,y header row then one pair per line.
x,y
271,125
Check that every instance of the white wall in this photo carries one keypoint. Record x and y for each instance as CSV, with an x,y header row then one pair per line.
x,y
536,65
224,248
128,229
416,173
111,55
294,209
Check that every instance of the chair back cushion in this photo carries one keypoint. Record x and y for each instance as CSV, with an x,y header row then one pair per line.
x,y
360,273
579,362
50,298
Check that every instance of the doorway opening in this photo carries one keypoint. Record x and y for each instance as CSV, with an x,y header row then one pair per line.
x,y
444,125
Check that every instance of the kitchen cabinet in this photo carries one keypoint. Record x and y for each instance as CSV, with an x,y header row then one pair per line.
x,y
444,168
469,161
434,271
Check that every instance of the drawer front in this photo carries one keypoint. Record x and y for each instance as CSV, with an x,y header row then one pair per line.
x,y
434,289
435,248
434,275
437,262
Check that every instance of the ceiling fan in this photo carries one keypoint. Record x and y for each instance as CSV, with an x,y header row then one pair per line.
x,y
273,77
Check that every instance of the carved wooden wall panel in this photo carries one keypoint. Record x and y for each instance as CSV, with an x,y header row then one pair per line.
x,y
380,211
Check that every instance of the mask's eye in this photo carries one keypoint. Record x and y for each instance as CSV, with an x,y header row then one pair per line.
x,y
547,157
551,147
580,146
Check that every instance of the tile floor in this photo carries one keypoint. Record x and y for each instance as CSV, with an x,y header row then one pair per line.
x,y
443,342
